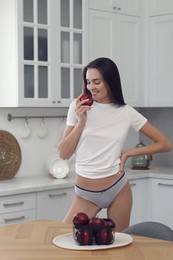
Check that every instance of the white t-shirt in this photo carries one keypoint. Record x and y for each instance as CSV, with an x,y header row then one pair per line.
x,y
99,148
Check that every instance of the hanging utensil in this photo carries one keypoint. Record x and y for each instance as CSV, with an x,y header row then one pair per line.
x,y
26,131
42,130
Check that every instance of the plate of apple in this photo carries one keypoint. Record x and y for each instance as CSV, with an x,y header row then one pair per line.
x,y
92,234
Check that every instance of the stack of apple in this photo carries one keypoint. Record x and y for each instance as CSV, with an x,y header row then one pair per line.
x,y
89,231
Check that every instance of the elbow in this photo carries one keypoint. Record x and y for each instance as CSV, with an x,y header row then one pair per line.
x,y
168,146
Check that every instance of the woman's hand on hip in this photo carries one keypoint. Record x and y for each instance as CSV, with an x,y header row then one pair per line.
x,y
123,159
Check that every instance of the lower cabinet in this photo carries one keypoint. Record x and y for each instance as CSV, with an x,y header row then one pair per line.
x,y
17,208
51,205
161,206
54,204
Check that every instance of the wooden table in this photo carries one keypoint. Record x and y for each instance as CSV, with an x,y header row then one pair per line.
x,y
33,240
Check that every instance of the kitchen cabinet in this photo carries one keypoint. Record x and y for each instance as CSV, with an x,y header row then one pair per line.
x,y
17,208
118,37
161,208
54,204
132,7
43,51
159,7
140,200
159,62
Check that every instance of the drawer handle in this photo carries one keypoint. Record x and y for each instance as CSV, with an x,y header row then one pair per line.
x,y
6,205
57,195
14,219
165,184
132,184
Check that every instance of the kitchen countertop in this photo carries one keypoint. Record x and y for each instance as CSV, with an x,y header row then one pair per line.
x,y
18,185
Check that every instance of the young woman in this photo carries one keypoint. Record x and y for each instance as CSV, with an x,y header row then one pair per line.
x,y
96,135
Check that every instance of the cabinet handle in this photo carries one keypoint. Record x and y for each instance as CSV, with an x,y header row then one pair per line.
x,y
53,102
119,8
6,205
165,184
132,184
14,219
114,7
57,195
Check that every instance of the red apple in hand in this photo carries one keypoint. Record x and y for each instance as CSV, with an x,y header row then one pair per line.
x,y
81,219
89,102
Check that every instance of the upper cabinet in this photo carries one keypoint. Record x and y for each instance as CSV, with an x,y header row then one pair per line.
x,y
132,7
138,36
158,54
159,63
42,52
118,36
159,7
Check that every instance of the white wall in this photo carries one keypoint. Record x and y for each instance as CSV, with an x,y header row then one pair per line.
x,y
35,151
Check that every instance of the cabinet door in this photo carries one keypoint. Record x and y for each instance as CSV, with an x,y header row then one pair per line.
x,y
118,37
139,207
161,201
54,204
72,50
158,7
160,62
34,60
128,57
101,27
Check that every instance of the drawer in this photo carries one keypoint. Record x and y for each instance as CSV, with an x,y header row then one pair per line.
x,y
54,204
17,202
17,217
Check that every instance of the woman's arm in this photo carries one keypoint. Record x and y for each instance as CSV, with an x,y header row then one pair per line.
x,y
69,141
161,144
72,134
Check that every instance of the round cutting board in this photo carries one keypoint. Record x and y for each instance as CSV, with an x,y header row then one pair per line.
x,y
10,155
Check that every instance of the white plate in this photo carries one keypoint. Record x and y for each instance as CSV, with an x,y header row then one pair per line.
x,y
67,241
57,167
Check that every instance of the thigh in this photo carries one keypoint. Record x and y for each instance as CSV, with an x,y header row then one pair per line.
x,y
120,209
81,205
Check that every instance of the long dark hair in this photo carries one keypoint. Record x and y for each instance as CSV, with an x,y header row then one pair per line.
x,y
110,74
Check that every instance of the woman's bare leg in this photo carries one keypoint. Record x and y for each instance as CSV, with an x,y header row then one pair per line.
x,y
81,205
120,209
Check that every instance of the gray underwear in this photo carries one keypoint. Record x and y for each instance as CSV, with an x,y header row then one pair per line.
x,y
102,198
